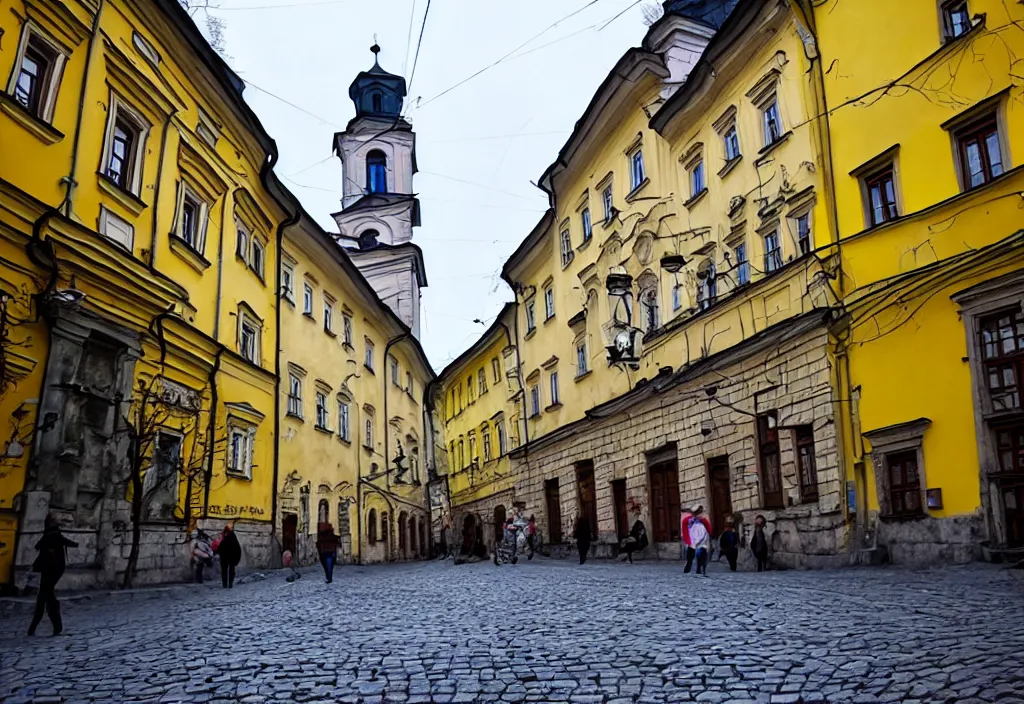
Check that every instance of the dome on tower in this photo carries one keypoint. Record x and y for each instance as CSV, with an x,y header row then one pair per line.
x,y
377,93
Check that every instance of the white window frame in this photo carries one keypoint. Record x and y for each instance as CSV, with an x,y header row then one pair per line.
x,y
534,400
294,395
502,438
368,355
328,313
245,319
771,265
637,170
553,383
187,193
531,316
307,299
481,381
585,222
485,435
288,282
549,303
677,297
608,203
243,238
742,263
731,131
496,370
582,358
119,108
772,105
346,329
368,431
396,375
698,178
245,436
344,419
258,256
110,222
49,91
323,417
565,239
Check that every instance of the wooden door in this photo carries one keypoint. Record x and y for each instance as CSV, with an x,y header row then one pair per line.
x,y
721,493
288,529
468,534
587,494
499,523
665,513
554,511
621,514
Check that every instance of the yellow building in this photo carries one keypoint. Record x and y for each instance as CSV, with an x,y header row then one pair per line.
x,y
479,407
138,250
926,124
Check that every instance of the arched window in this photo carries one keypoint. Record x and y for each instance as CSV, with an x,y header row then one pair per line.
x,y
323,512
376,172
376,102
371,526
368,239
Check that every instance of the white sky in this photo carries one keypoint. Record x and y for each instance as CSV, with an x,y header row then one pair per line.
x,y
496,133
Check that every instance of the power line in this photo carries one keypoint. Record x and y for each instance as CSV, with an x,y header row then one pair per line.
x,y
509,54
496,136
279,7
408,38
478,185
419,44
288,102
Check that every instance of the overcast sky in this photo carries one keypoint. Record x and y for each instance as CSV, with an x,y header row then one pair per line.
x,y
478,146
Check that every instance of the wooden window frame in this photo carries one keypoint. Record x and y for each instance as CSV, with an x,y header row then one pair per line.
x,y
773,494
890,210
1001,362
323,412
979,130
947,10
806,462
898,441
773,259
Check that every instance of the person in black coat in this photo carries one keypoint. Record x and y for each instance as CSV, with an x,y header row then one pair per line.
x,y
636,540
729,543
50,564
582,535
759,544
230,555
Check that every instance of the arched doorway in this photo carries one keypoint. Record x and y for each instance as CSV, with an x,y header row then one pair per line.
x,y
403,543
413,542
499,523
288,529
468,534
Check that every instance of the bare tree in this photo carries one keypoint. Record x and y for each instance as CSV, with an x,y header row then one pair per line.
x,y
214,25
652,12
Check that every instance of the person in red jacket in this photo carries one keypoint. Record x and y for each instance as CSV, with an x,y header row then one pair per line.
x,y
696,531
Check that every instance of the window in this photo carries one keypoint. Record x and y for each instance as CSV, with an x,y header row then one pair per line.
x,y
462,454
323,511
555,400
697,183
344,420
582,361
772,252
258,257
803,234
608,203
981,159
376,102
496,370
408,383
956,19
649,305
731,140
346,326
1010,448
307,299
161,481
122,152
742,264
395,375
470,394
472,448
207,129
588,230
240,450
806,469
371,526
567,253
117,229
768,452
249,329
322,420
531,317
192,220
880,189
637,176
502,442
1002,352
368,432
288,282
677,297
242,243
328,314
486,435
772,122
481,379
904,484
376,172
707,286
368,358
534,400
37,77
549,303
294,396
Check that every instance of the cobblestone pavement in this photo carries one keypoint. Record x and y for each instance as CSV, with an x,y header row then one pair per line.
x,y
540,631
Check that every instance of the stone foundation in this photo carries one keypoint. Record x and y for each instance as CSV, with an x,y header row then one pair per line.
x,y
482,511
931,541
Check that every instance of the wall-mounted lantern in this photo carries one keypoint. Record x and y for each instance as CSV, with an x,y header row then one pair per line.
x,y
673,263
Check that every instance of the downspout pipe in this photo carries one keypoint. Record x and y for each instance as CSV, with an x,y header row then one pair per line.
x,y
387,426
214,397
70,182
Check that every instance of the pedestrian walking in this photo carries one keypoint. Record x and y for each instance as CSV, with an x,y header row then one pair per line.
x,y
230,552
50,564
636,540
696,532
327,546
582,535
531,536
759,544
202,555
729,543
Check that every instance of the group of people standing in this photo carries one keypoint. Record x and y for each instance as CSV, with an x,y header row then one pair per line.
x,y
226,546
696,534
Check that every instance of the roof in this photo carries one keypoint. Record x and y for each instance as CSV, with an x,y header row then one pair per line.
x,y
710,12
498,326
413,249
536,234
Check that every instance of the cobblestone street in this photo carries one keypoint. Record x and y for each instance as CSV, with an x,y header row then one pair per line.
x,y
540,631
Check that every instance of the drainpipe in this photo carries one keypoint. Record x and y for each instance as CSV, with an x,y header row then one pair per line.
x,y
212,381
69,181
359,488
156,192
387,425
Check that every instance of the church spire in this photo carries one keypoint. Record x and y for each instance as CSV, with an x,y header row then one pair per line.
x,y
377,93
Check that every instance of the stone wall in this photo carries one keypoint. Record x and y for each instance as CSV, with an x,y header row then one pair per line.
x,y
482,511
930,541
790,375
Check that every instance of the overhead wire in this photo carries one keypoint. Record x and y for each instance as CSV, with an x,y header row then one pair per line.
x,y
419,45
281,6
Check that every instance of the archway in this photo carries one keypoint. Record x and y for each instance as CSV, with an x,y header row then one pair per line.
x,y
403,543
468,534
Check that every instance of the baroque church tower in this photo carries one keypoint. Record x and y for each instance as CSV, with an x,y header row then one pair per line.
x,y
378,206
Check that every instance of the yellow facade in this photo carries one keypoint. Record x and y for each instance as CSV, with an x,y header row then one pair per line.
x,y
353,380
920,285
478,404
